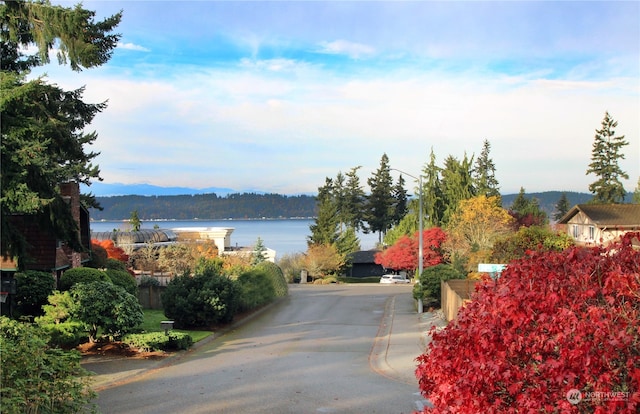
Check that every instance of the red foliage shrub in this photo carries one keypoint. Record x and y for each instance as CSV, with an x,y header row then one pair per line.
x,y
403,255
552,323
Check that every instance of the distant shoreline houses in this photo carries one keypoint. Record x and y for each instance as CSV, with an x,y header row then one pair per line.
x,y
221,236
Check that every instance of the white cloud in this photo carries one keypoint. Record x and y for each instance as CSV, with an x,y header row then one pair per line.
x,y
344,47
273,65
132,46
224,128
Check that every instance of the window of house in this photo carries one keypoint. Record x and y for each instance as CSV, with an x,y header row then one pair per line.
x,y
575,231
592,232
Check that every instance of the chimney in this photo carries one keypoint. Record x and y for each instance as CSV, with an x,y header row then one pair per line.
x,y
70,191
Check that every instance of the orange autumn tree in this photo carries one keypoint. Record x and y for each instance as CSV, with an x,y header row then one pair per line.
x,y
113,251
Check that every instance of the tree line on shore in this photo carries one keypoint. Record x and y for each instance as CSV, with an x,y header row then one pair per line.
x,y
205,206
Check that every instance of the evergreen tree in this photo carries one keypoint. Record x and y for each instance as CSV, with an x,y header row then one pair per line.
x,y
636,193
325,229
605,156
457,184
259,253
354,201
484,173
562,207
432,198
338,196
527,212
520,203
400,205
380,203
43,142
347,242
134,221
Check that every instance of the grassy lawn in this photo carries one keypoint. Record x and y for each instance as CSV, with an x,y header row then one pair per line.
x,y
153,317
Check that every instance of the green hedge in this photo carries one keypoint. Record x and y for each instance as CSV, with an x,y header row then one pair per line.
x,y
256,289
275,274
159,341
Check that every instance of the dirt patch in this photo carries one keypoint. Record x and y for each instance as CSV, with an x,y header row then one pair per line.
x,y
118,349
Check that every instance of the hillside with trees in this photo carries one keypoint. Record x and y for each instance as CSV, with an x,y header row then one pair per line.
x,y
205,206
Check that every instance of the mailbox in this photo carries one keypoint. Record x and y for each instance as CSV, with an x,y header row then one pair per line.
x,y
167,326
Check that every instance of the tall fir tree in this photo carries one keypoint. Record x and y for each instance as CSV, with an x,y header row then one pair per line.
x,y
562,207
606,154
347,242
432,198
484,173
380,203
43,140
457,184
355,199
400,203
325,229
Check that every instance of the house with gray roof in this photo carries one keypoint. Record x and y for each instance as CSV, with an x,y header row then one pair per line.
x,y
595,224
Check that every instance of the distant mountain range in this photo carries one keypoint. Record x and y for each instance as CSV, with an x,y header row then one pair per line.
x,y
100,189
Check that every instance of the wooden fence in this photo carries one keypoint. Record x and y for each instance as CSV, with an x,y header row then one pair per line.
x,y
149,296
455,293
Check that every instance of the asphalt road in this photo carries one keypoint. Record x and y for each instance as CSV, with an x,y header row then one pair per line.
x,y
308,354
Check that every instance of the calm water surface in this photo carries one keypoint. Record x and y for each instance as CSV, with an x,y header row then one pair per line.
x,y
283,236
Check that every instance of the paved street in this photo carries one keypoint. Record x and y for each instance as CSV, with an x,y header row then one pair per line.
x,y
324,349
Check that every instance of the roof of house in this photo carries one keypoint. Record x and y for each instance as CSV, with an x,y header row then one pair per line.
x,y
134,237
363,256
607,215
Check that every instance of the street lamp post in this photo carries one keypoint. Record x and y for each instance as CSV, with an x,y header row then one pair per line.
x,y
420,230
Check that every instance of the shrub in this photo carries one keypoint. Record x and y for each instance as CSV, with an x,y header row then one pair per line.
x,y
116,264
554,324
148,281
159,341
275,274
202,300
292,265
81,275
124,280
63,332
256,289
107,306
429,286
516,245
66,335
38,378
99,256
32,290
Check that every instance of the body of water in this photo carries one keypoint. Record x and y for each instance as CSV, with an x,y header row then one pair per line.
x,y
287,236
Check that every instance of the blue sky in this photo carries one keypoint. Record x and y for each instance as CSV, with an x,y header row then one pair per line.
x,y
276,96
